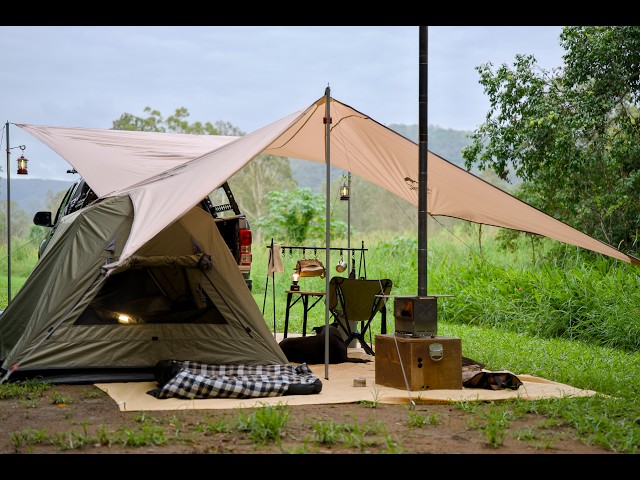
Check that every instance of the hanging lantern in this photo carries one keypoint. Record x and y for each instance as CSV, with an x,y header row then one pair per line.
x,y
22,165
344,192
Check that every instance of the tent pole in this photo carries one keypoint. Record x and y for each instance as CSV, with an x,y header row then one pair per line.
x,y
266,287
327,127
349,211
273,297
422,178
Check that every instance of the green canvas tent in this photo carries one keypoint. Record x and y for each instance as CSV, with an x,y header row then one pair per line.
x,y
181,296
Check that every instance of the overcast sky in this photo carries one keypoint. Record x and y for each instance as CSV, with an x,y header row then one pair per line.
x,y
249,76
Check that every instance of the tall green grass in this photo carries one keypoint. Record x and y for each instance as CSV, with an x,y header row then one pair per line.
x,y
547,294
24,255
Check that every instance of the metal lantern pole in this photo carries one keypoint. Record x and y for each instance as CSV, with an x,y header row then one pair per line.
x,y
8,219
22,169
345,194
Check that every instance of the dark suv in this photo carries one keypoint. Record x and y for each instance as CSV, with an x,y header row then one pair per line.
x,y
220,203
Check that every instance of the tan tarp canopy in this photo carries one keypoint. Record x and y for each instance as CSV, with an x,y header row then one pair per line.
x,y
166,174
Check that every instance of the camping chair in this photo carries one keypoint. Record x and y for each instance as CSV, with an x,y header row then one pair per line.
x,y
358,300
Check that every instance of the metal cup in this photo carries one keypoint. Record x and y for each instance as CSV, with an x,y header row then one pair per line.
x,y
341,266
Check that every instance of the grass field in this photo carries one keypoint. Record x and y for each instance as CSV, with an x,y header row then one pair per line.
x,y
538,308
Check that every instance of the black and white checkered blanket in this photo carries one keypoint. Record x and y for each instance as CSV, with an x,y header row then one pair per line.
x,y
195,380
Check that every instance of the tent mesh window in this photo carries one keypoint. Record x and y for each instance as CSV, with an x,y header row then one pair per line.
x,y
151,295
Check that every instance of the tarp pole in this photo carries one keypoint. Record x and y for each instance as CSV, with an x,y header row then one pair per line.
x,y
422,178
327,127
349,211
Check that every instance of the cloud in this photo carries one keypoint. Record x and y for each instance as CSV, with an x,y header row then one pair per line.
x,y
88,76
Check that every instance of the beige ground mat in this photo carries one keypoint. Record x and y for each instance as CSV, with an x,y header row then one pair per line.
x,y
340,387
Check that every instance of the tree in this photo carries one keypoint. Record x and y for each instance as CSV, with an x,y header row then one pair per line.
x,y
54,199
260,176
19,221
296,216
571,134
176,123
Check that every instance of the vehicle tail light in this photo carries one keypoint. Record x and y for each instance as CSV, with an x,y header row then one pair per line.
x,y
245,247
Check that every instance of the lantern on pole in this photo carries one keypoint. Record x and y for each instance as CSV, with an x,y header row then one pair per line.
x,y
22,163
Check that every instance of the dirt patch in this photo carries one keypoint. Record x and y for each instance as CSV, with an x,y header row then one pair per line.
x,y
82,419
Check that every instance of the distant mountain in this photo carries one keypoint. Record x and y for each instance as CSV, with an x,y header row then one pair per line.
x,y
32,193
445,142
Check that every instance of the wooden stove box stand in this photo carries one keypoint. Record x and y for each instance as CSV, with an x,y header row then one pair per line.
x,y
430,363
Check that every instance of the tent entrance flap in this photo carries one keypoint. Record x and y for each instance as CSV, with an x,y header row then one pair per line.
x,y
152,295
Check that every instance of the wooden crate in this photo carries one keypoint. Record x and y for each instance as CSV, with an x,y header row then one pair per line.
x,y
422,371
